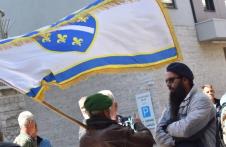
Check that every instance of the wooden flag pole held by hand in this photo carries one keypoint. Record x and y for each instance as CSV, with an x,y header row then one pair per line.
x,y
54,109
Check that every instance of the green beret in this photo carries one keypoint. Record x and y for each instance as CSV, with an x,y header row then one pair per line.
x,y
97,102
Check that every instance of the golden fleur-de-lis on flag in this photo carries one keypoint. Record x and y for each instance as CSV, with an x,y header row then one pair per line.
x,y
61,38
46,37
83,19
77,41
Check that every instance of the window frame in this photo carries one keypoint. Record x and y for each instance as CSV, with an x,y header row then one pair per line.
x,y
171,5
209,6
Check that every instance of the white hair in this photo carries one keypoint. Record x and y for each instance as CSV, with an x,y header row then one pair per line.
x,y
107,93
82,101
24,118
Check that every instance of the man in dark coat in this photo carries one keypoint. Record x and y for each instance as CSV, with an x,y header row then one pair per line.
x,y
104,132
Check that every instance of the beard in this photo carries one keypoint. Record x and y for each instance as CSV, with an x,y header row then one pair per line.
x,y
176,98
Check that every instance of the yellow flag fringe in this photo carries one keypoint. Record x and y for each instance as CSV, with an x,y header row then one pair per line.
x,y
96,71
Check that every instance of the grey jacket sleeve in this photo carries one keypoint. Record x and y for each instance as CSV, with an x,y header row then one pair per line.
x,y
200,112
162,137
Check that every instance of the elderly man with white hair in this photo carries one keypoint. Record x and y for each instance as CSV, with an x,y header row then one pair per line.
x,y
27,129
113,111
114,107
103,131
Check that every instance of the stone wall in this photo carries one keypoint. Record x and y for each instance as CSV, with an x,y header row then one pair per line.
x,y
11,104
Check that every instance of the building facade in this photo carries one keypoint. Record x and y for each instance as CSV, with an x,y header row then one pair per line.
x,y
200,29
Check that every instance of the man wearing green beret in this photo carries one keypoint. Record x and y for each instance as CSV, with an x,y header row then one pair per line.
x,y
102,131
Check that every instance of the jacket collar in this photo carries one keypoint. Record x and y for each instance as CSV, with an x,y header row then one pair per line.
x,y
185,102
193,90
99,122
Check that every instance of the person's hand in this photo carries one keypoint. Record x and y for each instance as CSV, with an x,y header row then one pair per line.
x,y
136,118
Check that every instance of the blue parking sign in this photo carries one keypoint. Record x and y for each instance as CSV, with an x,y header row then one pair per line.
x,y
146,111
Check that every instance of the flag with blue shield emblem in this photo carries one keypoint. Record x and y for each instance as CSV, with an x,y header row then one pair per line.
x,y
107,35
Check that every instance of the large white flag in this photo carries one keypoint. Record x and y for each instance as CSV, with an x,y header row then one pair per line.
x,y
104,36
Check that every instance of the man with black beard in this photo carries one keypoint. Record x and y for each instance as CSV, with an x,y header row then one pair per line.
x,y
189,119
176,98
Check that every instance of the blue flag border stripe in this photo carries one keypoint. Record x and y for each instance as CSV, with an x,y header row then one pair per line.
x,y
116,62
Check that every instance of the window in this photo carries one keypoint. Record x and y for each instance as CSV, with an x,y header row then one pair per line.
x,y
208,5
169,3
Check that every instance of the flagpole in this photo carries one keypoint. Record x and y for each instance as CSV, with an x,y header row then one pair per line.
x,y
61,113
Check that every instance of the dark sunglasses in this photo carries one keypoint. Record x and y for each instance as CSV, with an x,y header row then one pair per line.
x,y
171,80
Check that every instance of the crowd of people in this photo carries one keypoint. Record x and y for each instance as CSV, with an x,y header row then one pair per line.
x,y
192,118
